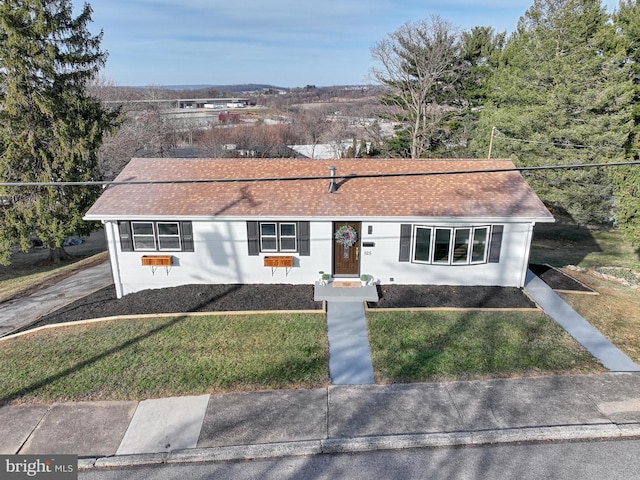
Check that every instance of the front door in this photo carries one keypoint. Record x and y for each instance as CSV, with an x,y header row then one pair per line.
x,y
346,258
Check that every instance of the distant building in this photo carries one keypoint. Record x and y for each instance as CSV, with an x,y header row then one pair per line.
x,y
323,150
214,103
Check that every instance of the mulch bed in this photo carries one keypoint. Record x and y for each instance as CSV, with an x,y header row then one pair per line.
x,y
433,296
558,280
187,298
236,297
220,298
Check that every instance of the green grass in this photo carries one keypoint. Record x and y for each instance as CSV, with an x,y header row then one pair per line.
x,y
435,346
563,243
615,312
137,359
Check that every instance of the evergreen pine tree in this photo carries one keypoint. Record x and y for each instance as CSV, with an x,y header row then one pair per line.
x,y
559,88
479,53
50,128
627,179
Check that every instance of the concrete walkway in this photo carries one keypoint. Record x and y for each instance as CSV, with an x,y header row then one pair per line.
x,y
280,423
586,335
24,311
349,352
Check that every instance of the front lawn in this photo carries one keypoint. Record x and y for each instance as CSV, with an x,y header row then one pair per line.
x,y
436,346
615,312
562,243
138,359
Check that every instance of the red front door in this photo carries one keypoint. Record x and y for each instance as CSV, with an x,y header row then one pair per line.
x,y
346,259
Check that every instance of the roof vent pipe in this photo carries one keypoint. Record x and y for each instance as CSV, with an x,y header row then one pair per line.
x,y
332,183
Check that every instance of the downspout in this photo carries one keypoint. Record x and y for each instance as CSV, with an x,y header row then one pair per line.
x,y
113,256
523,273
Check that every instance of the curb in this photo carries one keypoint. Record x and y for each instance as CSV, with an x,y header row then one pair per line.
x,y
366,444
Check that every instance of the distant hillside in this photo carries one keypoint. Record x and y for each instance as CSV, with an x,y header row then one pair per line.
x,y
250,87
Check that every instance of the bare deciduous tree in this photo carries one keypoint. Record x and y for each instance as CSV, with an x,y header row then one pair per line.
x,y
143,125
418,67
311,124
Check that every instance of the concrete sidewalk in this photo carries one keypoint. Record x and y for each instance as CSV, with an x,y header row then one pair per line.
x,y
328,420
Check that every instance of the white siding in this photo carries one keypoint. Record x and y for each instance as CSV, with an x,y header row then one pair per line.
x,y
221,256
382,262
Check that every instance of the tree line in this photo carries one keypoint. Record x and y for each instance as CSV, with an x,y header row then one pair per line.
x,y
563,89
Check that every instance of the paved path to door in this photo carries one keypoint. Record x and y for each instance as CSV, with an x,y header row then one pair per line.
x,y
582,331
349,353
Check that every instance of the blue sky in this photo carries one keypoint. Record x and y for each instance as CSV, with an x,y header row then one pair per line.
x,y
287,43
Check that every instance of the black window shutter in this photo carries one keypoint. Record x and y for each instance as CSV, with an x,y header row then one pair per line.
x,y
304,238
186,232
405,242
126,240
496,243
253,241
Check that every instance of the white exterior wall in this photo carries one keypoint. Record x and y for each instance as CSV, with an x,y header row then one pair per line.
x,y
382,262
221,256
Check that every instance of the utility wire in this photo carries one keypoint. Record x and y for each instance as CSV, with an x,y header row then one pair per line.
x,y
308,178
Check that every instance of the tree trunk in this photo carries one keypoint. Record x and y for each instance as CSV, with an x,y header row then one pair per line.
x,y
57,255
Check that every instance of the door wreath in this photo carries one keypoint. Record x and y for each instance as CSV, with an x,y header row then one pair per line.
x,y
346,236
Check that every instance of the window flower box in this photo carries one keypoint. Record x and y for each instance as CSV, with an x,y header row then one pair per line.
x,y
157,260
279,261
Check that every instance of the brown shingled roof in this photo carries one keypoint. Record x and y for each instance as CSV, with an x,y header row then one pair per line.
x,y
487,195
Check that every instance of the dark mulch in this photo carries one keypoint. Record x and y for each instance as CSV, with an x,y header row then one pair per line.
x,y
432,296
218,298
558,280
187,298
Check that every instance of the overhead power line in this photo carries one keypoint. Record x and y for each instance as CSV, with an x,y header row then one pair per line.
x,y
103,183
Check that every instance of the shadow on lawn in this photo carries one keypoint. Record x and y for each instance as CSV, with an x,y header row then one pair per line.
x,y
562,243
57,376
471,345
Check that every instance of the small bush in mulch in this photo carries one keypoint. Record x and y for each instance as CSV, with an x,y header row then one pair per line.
x,y
558,280
433,296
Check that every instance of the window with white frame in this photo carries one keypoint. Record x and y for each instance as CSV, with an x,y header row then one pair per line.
x,y
144,237
168,236
450,245
154,236
288,237
278,237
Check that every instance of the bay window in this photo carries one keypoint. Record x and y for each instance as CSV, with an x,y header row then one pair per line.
x,y
450,245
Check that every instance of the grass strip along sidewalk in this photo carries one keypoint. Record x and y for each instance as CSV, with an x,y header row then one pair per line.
x,y
150,358
437,346
147,358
